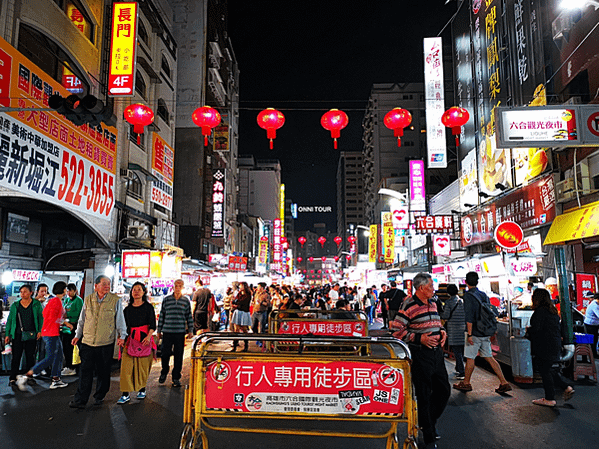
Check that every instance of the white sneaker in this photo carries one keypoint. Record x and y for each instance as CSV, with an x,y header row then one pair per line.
x,y
68,372
58,384
22,382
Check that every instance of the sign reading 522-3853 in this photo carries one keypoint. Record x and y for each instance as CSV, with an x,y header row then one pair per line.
x,y
85,186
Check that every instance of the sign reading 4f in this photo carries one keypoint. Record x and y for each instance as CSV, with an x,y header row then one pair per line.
x,y
121,77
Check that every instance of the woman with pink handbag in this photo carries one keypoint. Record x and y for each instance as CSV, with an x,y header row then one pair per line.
x,y
138,353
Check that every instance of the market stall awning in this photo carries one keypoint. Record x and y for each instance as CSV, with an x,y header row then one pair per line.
x,y
577,224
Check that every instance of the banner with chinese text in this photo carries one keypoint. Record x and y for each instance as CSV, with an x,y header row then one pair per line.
x,y
372,243
356,328
163,165
218,202
121,75
45,156
388,237
315,388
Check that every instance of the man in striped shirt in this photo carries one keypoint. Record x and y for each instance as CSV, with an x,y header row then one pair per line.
x,y
418,323
174,322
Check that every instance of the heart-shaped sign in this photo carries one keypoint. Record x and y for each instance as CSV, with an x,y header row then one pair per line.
x,y
442,241
399,214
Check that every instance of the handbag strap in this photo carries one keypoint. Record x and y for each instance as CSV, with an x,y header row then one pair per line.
x,y
20,320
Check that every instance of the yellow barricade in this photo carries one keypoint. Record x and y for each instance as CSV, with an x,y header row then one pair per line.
x,y
299,385
317,322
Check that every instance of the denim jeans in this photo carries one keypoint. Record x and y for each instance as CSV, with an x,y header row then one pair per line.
x,y
53,357
259,320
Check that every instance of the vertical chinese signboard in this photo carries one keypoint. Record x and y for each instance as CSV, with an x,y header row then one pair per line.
x,y
417,189
277,248
372,243
388,237
435,102
263,252
494,165
45,156
221,134
218,202
121,74
586,286
163,163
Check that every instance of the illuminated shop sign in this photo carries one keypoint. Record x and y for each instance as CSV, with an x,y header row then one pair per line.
x,y
434,224
121,76
325,209
163,164
218,202
136,264
435,102
417,189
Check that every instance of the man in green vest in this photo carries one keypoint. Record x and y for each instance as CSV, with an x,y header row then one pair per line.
x,y
100,320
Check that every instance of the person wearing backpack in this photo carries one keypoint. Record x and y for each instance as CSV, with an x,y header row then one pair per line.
x,y
481,325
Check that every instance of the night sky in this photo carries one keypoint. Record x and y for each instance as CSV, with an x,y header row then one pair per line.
x,y
306,57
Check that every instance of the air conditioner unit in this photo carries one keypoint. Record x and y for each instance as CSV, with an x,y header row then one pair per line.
x,y
126,173
215,82
135,231
215,55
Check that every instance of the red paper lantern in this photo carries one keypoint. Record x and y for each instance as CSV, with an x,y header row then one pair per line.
x,y
139,115
397,119
336,258
264,238
283,239
455,118
311,259
323,258
302,240
348,257
322,241
299,259
351,239
270,119
338,240
206,118
334,121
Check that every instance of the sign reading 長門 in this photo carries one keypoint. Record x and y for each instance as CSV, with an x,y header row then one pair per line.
x,y
45,156
163,164
121,74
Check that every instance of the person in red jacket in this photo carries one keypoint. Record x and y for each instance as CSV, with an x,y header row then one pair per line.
x,y
53,319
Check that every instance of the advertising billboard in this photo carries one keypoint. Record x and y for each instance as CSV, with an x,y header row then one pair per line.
x,y
434,91
163,165
123,42
218,202
46,157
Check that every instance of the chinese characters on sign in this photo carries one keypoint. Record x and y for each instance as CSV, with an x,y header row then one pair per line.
x,y
263,252
121,76
388,237
372,243
417,189
238,263
331,328
277,247
27,275
531,206
136,264
44,155
435,102
218,202
315,388
163,163
586,286
434,224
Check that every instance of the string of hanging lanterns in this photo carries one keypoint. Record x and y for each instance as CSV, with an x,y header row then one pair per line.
x,y
270,119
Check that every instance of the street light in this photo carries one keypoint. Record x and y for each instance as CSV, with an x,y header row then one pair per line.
x,y
395,194
573,4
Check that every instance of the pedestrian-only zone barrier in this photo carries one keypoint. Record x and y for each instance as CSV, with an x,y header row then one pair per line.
x,y
317,322
299,385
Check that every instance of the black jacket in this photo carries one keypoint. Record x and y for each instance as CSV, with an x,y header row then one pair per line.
x,y
544,334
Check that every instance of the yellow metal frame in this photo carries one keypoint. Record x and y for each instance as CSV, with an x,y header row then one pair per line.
x,y
196,415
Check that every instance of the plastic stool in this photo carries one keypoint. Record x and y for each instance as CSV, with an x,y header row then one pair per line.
x,y
586,365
